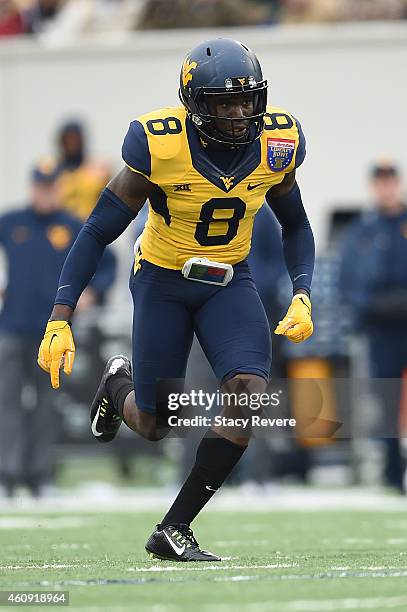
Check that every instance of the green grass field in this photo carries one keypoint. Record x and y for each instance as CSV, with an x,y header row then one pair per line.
x,y
278,561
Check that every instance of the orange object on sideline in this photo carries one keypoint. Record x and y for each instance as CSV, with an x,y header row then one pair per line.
x,y
313,401
403,406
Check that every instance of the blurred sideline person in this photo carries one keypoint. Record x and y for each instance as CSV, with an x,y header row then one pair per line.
x,y
81,177
374,283
206,168
36,241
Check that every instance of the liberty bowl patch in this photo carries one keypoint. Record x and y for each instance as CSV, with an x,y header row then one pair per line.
x,y
280,153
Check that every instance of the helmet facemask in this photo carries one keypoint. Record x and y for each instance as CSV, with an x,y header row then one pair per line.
x,y
228,130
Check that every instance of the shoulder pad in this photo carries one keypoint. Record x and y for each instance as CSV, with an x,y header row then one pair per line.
x,y
164,129
135,150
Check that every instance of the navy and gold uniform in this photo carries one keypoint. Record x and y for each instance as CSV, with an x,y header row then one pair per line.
x,y
198,208
207,183
209,168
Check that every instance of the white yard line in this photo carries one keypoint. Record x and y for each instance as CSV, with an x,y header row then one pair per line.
x,y
298,499
208,568
317,605
298,605
139,608
55,522
153,608
366,603
72,546
43,566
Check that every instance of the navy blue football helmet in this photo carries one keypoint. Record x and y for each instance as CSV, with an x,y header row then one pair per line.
x,y
222,67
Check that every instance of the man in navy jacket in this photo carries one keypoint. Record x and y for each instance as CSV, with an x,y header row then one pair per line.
x,y
374,284
35,241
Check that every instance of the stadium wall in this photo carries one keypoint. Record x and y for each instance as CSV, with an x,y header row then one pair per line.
x,y
346,84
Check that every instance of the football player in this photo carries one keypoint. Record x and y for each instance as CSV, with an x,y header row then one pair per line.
x,y
205,167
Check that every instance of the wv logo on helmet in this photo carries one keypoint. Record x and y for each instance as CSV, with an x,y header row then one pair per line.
x,y
186,71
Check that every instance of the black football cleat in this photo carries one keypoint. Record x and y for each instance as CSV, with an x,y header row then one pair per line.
x,y
105,420
176,543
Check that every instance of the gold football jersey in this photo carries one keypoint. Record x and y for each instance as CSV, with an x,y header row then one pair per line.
x,y
197,209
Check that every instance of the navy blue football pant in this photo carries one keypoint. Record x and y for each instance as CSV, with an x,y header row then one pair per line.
x,y
229,322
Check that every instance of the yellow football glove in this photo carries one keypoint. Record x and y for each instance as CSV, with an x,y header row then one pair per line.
x,y
297,324
57,350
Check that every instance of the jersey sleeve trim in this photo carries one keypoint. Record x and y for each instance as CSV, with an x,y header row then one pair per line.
x,y
135,150
137,171
301,149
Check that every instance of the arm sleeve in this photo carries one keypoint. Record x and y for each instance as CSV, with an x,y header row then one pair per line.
x,y
301,149
266,260
105,274
107,222
298,239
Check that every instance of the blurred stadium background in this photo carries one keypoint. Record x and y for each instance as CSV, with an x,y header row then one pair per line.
x,y
339,66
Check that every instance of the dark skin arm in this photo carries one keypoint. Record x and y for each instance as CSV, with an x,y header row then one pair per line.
x,y
133,189
282,188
